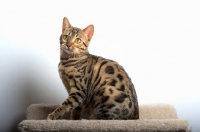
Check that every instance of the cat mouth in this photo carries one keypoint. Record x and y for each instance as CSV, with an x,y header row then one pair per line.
x,y
67,50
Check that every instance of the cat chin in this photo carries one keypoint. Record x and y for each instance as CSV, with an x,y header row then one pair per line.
x,y
69,52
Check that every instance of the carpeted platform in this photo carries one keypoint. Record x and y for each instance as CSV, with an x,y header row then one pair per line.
x,y
153,118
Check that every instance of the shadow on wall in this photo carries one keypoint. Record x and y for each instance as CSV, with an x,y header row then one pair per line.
x,y
27,78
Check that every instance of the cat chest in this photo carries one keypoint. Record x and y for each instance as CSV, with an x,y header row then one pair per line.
x,y
72,73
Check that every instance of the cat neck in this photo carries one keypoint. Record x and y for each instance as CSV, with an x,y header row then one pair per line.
x,y
64,55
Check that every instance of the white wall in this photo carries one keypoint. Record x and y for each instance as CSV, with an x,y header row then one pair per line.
x,y
156,41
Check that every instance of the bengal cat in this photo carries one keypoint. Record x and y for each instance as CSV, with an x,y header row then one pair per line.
x,y
98,88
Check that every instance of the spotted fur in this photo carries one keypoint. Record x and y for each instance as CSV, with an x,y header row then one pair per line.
x,y
98,88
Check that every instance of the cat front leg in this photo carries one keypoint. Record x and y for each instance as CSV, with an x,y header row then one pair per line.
x,y
58,113
74,100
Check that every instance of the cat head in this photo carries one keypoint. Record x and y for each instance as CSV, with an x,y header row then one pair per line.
x,y
74,40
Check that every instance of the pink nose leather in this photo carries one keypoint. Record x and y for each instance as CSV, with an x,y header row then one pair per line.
x,y
69,45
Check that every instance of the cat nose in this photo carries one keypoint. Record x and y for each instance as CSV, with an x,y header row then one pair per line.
x,y
69,45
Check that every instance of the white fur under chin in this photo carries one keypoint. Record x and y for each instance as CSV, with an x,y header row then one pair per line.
x,y
68,52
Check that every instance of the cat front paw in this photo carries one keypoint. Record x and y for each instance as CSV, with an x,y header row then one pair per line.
x,y
52,116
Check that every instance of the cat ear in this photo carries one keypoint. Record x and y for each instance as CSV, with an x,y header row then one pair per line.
x,y
88,31
66,24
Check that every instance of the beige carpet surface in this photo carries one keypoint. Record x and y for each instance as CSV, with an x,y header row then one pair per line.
x,y
153,118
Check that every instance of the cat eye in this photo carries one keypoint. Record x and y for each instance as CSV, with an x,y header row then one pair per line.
x,y
77,40
65,37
